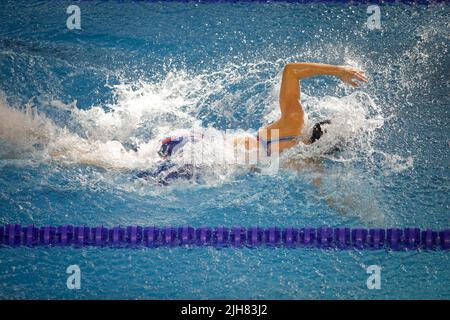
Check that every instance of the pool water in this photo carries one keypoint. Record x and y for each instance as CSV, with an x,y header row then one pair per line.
x,y
75,103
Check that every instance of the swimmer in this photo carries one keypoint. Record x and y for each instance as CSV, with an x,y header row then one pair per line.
x,y
290,125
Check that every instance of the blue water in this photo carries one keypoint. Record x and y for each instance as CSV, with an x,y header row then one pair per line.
x,y
136,70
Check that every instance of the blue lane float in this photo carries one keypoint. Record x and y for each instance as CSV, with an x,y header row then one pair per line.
x,y
353,2
136,236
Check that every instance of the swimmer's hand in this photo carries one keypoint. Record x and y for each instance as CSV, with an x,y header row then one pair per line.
x,y
349,74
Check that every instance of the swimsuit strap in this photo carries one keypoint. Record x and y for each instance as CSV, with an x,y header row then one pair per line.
x,y
266,143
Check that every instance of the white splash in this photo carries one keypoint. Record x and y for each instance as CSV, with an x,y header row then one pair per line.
x,y
126,135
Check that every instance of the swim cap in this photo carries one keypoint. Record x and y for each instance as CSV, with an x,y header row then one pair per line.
x,y
317,131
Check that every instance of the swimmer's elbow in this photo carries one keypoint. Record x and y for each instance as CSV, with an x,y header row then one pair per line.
x,y
294,69
295,65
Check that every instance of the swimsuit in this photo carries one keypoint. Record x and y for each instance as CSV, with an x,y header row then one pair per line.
x,y
167,171
171,145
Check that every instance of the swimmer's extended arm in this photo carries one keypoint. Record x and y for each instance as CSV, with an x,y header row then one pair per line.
x,y
294,72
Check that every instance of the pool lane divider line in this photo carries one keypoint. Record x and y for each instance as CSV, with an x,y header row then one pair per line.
x,y
354,2
136,236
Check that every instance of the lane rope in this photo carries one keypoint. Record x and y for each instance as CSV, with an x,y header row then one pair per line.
x,y
15,235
